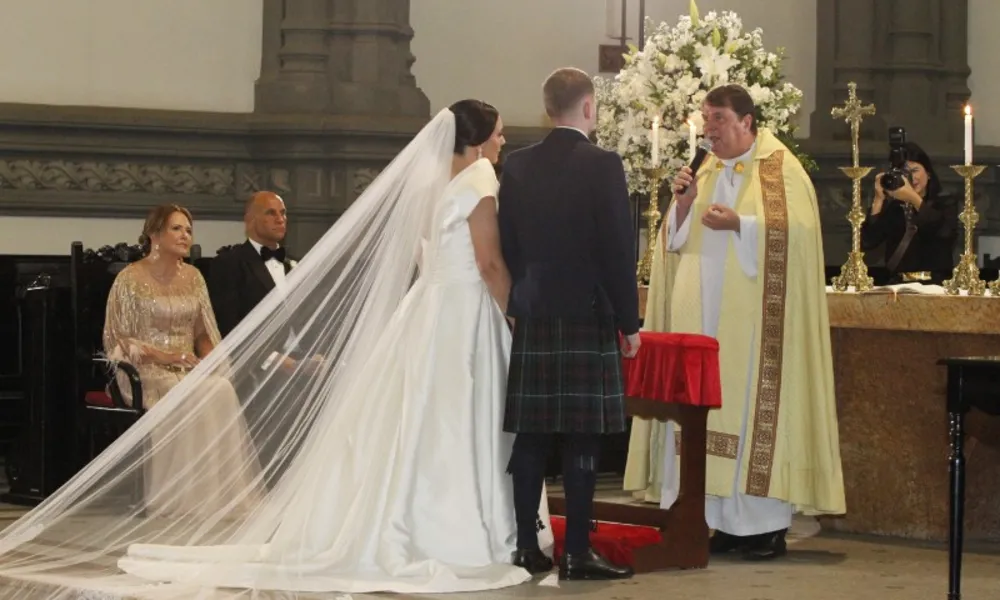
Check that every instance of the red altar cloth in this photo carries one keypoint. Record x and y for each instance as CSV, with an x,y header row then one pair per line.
x,y
677,368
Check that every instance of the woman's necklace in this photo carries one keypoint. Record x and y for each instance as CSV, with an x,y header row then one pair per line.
x,y
164,275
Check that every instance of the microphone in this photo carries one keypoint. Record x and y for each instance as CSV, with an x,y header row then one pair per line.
x,y
704,147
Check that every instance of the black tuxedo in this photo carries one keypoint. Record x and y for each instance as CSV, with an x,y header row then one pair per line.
x,y
567,233
237,282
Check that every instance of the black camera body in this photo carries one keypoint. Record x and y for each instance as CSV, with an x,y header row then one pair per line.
x,y
893,178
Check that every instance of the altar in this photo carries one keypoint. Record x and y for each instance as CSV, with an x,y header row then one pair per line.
x,y
893,417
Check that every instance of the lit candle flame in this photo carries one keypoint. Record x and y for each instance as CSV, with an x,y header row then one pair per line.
x,y
968,110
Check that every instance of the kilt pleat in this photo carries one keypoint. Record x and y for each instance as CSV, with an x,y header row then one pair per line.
x,y
565,377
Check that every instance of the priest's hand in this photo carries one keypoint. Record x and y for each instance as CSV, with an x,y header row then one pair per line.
x,y
721,218
685,179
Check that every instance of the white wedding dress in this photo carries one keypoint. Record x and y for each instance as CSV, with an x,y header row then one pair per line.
x,y
404,488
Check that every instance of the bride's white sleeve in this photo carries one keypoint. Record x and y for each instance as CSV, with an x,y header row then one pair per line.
x,y
480,182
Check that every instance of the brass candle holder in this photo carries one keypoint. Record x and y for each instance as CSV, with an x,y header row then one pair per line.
x,y
652,214
854,272
965,277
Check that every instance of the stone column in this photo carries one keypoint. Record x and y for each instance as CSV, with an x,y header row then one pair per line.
x,y
294,74
909,57
342,57
334,93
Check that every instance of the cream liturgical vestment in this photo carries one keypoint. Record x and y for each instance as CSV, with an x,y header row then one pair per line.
x,y
773,447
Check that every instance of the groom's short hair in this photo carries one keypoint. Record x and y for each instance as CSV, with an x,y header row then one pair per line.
x,y
564,89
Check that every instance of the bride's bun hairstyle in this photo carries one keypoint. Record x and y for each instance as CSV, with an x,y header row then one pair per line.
x,y
157,221
475,122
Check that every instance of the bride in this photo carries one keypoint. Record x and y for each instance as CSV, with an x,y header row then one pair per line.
x,y
390,474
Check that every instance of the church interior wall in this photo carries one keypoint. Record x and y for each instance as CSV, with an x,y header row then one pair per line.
x,y
984,48
502,51
157,54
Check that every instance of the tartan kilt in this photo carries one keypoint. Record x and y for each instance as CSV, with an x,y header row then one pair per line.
x,y
565,377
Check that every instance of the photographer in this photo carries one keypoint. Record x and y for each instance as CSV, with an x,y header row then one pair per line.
x,y
910,215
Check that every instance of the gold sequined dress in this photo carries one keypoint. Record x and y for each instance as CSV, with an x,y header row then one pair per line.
x,y
143,314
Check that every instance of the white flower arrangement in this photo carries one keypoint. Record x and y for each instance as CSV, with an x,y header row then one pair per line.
x,y
670,78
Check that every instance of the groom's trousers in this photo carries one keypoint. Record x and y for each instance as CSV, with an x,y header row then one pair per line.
x,y
580,453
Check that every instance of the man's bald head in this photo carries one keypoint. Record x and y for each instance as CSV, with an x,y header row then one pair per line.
x,y
265,219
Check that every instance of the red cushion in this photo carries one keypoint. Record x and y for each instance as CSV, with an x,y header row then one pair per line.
x,y
677,368
98,398
613,540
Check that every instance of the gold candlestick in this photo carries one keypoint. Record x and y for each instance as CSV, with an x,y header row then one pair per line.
x,y
966,274
854,273
652,214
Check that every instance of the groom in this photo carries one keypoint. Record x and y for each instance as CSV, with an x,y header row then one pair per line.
x,y
566,235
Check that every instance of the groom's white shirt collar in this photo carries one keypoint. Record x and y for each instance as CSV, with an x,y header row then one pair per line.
x,y
580,131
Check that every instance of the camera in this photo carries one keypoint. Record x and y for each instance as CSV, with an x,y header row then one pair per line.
x,y
893,178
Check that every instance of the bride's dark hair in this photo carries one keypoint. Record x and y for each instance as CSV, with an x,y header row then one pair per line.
x,y
475,121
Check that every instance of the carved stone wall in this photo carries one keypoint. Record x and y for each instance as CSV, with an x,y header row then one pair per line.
x,y
909,57
833,190
94,162
335,102
338,56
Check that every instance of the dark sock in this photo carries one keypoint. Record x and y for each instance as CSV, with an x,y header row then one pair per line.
x,y
527,469
580,475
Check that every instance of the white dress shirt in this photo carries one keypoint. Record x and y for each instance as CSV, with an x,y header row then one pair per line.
x,y
277,271
274,266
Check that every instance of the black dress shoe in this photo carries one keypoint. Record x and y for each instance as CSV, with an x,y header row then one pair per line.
x,y
724,543
590,566
768,546
533,561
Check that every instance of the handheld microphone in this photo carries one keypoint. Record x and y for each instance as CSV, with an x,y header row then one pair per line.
x,y
704,147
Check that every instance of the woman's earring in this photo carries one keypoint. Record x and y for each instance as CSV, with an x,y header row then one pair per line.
x,y
479,152
156,251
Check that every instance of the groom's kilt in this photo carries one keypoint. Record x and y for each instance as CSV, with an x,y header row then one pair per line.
x,y
565,377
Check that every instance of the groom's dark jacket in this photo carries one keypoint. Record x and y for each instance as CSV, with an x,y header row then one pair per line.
x,y
566,231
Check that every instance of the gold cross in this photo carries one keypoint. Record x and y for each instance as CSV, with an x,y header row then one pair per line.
x,y
853,113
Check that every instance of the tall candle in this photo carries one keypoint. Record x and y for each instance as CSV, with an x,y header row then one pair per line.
x,y
968,134
655,137
692,139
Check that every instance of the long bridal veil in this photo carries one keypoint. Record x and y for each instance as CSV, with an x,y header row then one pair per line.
x,y
337,299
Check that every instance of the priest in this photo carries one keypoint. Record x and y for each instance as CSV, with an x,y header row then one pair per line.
x,y
740,258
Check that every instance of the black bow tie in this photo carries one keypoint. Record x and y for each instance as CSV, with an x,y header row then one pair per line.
x,y
267,254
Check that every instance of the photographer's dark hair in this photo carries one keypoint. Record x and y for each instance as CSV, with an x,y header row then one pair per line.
x,y
916,154
475,122
734,97
157,222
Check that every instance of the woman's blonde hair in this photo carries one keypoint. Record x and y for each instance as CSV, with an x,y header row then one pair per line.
x,y
157,221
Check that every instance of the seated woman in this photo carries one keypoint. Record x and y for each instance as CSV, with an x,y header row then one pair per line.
x,y
159,319
918,224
